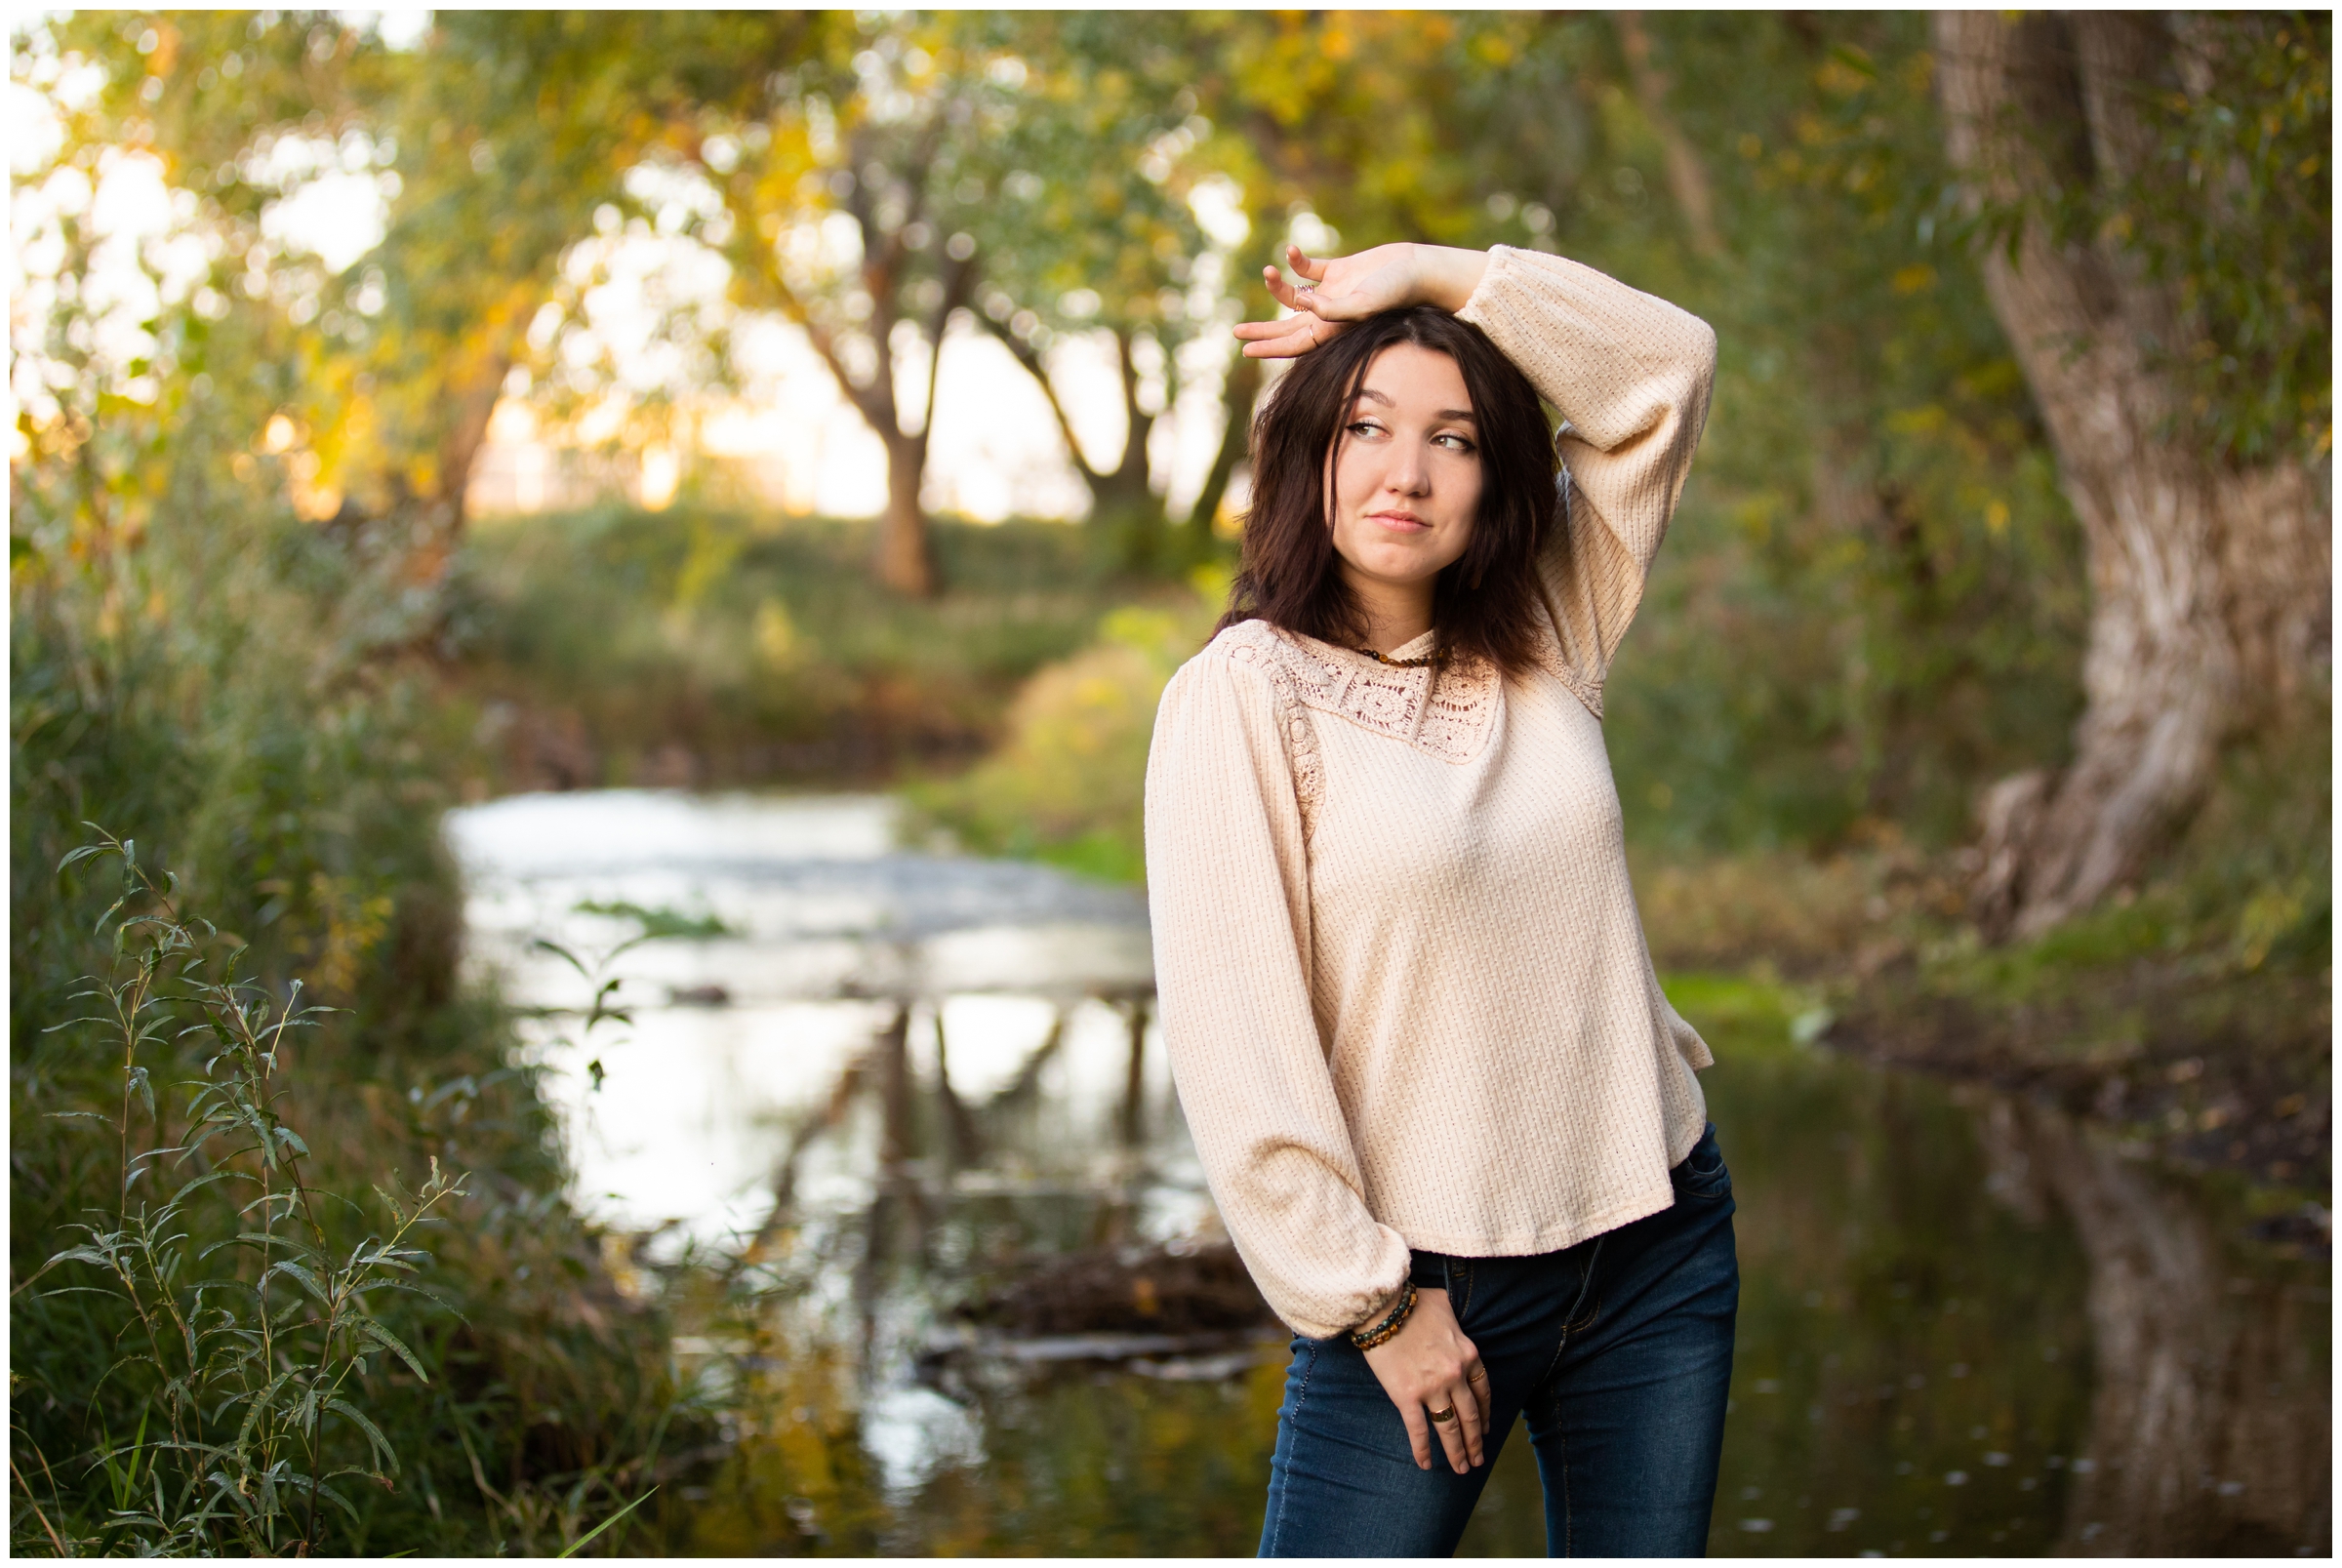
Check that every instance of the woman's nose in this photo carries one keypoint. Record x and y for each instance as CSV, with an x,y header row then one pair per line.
x,y
1408,473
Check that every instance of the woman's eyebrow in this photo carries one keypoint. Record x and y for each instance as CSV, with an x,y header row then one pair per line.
x,y
1446,414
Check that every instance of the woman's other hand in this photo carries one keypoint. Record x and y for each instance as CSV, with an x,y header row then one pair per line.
x,y
1325,293
1430,1365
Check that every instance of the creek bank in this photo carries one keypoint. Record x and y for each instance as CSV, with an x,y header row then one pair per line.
x,y
2192,1022
2208,1073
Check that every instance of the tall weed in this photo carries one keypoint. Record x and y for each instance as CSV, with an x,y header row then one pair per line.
x,y
247,1303
262,704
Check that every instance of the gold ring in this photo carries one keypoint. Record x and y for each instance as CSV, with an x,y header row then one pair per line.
x,y
1479,1374
1443,1417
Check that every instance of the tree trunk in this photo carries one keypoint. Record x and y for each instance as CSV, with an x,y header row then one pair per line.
x,y
2033,105
1121,497
1687,175
2277,560
471,403
1237,396
471,383
1125,493
906,556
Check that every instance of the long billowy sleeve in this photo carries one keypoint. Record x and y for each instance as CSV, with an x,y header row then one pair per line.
x,y
1228,892
1631,375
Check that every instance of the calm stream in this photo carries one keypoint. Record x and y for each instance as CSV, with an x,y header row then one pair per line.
x,y
874,1084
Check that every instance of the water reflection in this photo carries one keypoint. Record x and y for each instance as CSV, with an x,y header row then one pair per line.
x,y
2210,1427
810,960
886,1087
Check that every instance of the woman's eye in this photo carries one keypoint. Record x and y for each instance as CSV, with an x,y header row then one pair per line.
x,y
1456,443
1365,428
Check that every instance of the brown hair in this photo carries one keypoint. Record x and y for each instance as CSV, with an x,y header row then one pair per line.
x,y
1484,605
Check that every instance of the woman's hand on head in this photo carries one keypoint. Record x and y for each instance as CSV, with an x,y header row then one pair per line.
x,y
1324,293
1430,1365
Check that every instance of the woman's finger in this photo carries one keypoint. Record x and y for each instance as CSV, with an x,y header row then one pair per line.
x,y
1288,339
1284,340
1285,291
1418,1435
1451,1432
1471,1414
1299,261
1252,331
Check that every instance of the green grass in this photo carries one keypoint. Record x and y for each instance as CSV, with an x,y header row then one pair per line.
x,y
696,646
1753,1013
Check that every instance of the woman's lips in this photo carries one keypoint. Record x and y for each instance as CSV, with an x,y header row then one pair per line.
x,y
1399,522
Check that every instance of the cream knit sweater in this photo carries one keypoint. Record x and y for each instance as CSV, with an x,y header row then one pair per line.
x,y
1405,989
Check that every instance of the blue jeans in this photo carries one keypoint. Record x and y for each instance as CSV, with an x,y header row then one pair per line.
x,y
1619,1350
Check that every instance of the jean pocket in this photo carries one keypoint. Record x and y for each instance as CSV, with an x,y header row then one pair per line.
x,y
1703,1173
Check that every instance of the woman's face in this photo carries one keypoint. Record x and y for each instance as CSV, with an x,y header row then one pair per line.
x,y
1407,470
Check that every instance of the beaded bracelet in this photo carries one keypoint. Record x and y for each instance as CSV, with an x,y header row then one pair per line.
x,y
1368,1338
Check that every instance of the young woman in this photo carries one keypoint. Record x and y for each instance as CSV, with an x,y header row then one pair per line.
x,y
1444,1108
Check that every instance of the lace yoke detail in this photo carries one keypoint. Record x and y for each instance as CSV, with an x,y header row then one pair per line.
x,y
1253,644
1444,712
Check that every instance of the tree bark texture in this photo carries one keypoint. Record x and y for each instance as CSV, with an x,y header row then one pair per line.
x,y
2208,584
906,556
1128,487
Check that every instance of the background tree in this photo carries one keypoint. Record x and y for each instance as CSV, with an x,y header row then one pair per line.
x,y
850,189
2144,233
1875,560
511,129
496,138
1094,233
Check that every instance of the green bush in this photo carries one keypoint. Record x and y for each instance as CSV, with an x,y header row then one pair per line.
x,y
1068,783
250,1308
261,705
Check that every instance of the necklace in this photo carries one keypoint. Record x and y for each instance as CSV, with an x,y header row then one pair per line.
x,y
1425,663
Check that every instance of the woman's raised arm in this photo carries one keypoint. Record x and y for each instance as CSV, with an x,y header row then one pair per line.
x,y
1630,374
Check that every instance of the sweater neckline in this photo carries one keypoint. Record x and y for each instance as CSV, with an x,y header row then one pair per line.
x,y
1444,712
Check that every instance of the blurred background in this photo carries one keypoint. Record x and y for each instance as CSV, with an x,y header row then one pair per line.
x,y
633,555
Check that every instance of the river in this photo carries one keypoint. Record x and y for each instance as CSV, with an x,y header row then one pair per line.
x,y
863,1083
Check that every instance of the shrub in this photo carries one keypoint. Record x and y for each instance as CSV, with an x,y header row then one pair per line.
x,y
1068,785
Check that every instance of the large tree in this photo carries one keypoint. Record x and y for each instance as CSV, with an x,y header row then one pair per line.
x,y
1095,236
497,136
512,129
852,185
2157,197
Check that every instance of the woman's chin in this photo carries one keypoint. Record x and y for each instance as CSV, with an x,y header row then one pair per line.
x,y
1398,569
